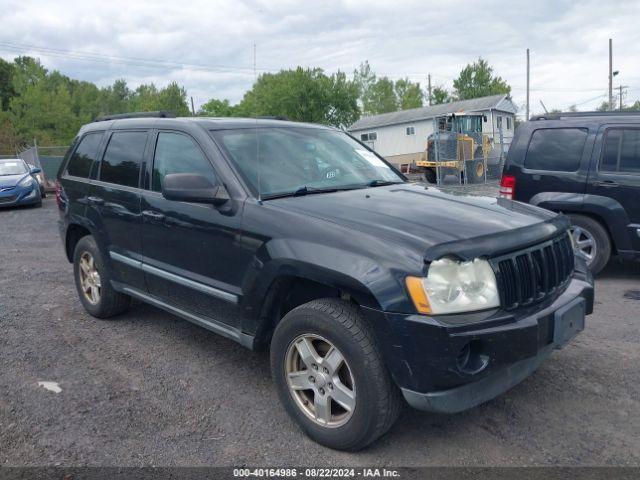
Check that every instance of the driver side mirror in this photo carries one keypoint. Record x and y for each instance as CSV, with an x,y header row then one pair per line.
x,y
192,187
35,170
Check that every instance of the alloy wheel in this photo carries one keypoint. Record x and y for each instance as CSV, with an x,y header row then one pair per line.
x,y
89,278
585,243
320,380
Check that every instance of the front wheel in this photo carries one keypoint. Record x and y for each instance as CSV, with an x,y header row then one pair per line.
x,y
330,375
430,175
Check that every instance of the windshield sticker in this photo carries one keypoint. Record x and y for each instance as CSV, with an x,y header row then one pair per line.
x,y
372,158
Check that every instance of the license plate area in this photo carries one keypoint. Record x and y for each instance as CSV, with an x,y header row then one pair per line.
x,y
568,322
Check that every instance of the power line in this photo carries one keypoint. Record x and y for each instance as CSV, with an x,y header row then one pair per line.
x,y
103,58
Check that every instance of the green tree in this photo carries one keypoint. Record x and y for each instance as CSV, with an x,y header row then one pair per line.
x,y
381,98
174,99
116,98
7,92
145,98
382,95
218,108
43,110
307,95
408,94
27,71
440,95
477,80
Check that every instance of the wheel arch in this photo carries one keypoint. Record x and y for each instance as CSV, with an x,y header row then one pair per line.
x,y
605,210
291,289
74,233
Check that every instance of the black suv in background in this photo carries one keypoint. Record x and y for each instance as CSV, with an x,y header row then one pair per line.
x,y
298,238
586,165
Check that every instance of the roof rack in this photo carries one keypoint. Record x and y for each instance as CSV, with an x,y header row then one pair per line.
x,y
119,116
272,117
560,115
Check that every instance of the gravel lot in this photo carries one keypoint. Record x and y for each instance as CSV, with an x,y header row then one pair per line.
x,y
151,389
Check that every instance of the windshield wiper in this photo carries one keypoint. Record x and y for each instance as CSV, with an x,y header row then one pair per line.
x,y
381,183
304,190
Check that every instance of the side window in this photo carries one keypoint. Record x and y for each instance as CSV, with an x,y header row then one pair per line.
x,y
508,123
556,149
177,153
621,152
122,159
410,130
85,155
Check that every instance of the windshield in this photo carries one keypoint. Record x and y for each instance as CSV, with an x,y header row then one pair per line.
x,y
12,167
277,160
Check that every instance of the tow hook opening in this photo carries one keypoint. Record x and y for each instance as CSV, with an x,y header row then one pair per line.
x,y
470,359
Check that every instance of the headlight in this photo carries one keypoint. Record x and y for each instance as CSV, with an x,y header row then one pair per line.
x,y
26,182
452,287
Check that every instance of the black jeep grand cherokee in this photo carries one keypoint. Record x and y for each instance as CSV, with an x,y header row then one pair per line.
x,y
298,238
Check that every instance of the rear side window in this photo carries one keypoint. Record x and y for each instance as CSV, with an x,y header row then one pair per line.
x,y
621,151
177,153
556,149
85,156
123,157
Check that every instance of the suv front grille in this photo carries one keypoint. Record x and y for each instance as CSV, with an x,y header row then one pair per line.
x,y
529,276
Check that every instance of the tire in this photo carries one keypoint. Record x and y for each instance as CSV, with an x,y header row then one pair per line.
x,y
586,229
475,171
376,399
108,301
430,175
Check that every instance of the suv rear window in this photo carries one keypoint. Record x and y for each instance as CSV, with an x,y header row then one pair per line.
x,y
556,149
621,151
122,159
84,157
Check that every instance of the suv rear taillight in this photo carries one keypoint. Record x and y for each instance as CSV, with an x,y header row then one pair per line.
x,y
507,186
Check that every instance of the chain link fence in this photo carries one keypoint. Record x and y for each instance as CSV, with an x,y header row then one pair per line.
x,y
464,150
47,159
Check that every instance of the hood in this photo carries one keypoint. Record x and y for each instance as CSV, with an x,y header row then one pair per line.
x,y
8,181
427,217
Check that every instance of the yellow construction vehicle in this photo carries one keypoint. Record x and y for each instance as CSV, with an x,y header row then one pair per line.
x,y
458,147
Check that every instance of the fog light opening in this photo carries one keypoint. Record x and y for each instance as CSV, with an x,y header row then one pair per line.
x,y
470,359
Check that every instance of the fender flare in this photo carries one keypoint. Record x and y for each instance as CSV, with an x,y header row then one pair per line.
x,y
604,209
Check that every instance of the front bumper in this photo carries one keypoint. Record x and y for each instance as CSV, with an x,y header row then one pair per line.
x,y
449,368
20,196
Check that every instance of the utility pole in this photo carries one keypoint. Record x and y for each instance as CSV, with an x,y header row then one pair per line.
x,y
193,110
621,87
429,87
610,74
527,85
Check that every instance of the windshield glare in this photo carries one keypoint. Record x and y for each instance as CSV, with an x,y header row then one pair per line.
x,y
12,167
283,160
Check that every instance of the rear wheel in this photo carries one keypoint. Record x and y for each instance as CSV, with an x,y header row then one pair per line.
x,y
430,175
591,241
93,281
330,375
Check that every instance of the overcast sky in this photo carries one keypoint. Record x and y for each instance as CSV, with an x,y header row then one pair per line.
x,y
568,42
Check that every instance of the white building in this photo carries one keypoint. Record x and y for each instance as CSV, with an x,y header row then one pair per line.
x,y
401,137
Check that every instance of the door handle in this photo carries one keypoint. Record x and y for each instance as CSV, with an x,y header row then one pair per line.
x,y
154,216
606,183
96,201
